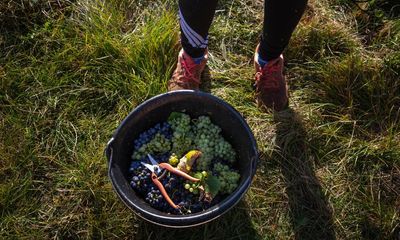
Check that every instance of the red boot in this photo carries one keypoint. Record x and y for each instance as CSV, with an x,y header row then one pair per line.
x,y
187,73
271,86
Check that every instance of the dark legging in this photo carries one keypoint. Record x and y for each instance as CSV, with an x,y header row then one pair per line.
x,y
280,19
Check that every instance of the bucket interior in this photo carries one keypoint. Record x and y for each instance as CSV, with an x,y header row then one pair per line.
x,y
157,110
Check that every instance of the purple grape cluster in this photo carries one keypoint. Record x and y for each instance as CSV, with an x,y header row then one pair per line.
x,y
154,197
174,185
140,179
146,136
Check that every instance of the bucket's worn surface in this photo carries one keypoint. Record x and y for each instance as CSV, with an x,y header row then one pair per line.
x,y
157,109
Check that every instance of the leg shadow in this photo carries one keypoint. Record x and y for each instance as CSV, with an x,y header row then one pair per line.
x,y
235,224
310,214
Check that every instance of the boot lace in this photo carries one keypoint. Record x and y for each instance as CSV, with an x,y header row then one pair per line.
x,y
189,70
267,77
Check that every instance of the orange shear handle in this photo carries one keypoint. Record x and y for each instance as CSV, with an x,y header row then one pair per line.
x,y
162,190
178,172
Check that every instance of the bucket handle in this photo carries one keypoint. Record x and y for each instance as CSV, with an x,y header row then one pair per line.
x,y
109,153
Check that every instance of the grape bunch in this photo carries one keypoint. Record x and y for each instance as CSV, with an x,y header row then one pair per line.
x,y
156,140
182,137
158,145
210,142
154,197
140,179
228,177
147,136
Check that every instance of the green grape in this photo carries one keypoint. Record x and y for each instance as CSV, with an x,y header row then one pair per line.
x,y
173,160
224,150
159,144
182,133
228,178
209,141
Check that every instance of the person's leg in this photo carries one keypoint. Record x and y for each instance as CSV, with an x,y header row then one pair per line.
x,y
195,17
280,19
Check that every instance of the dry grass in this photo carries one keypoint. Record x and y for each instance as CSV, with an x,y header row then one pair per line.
x,y
329,165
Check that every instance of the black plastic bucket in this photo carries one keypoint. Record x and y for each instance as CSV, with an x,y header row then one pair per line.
x,y
157,109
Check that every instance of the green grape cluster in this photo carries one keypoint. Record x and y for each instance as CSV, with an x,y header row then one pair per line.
x,y
224,150
182,138
210,142
227,177
159,144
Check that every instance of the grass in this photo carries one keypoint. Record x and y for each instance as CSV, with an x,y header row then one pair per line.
x,y
330,165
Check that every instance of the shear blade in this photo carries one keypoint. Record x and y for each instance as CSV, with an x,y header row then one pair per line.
x,y
148,166
152,160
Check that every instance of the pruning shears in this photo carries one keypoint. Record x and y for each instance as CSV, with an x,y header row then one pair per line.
x,y
156,168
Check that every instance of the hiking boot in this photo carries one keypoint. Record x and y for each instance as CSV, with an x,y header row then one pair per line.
x,y
271,86
187,74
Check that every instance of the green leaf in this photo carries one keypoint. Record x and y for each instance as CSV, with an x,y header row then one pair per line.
x,y
213,185
198,175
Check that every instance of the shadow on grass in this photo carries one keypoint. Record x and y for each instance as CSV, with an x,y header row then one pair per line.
x,y
310,214
235,224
